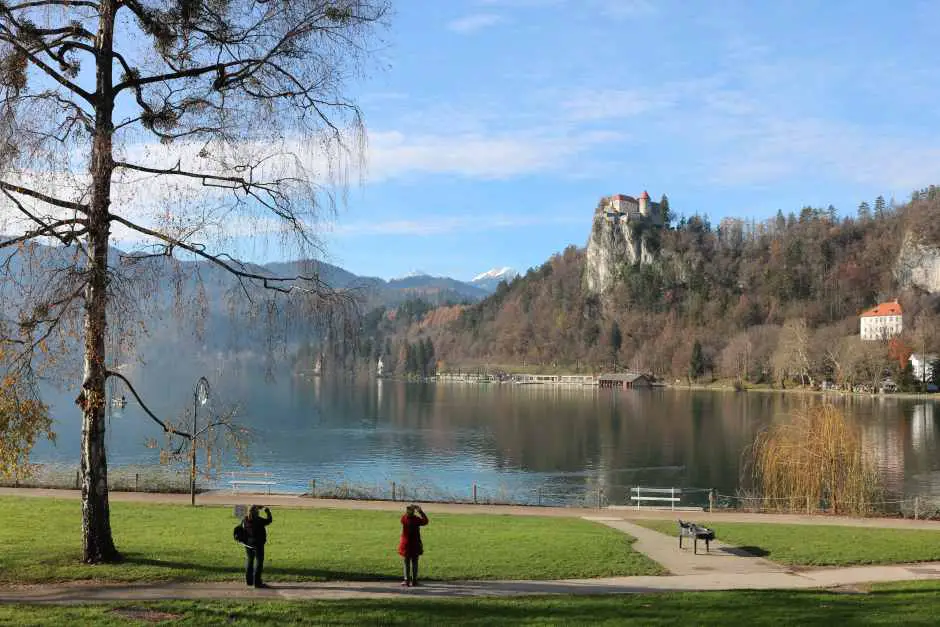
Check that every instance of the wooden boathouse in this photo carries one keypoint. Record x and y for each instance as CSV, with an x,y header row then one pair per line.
x,y
626,380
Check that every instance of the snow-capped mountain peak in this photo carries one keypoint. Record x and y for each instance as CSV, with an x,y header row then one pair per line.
x,y
490,279
495,273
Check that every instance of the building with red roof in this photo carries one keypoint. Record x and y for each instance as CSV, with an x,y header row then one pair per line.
x,y
882,322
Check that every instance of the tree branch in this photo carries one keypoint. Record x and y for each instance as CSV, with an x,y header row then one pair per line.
x,y
11,38
25,191
60,3
163,425
235,268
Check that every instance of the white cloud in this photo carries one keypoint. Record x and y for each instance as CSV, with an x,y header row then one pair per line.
x,y
624,9
615,9
395,154
610,104
439,224
472,23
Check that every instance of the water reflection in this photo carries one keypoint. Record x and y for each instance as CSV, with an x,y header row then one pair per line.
x,y
516,439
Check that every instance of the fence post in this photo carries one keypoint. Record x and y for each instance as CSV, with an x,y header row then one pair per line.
x,y
807,504
638,495
538,496
136,482
474,493
313,488
393,490
916,507
672,495
76,479
711,500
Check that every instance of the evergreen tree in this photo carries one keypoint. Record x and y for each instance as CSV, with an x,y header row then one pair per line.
x,y
429,360
420,365
666,212
616,341
697,362
880,207
411,362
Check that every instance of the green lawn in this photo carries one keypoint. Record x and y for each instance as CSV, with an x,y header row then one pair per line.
x,y
815,545
41,542
898,604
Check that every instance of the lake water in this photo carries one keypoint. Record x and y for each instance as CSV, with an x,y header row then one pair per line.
x,y
518,443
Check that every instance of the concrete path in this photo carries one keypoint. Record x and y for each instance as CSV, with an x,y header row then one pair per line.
x,y
282,500
823,579
721,559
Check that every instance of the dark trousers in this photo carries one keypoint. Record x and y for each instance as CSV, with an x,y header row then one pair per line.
x,y
411,569
254,564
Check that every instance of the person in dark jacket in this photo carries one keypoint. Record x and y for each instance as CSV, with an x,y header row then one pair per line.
x,y
410,547
257,535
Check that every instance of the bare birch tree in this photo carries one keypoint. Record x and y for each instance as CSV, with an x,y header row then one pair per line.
x,y
176,125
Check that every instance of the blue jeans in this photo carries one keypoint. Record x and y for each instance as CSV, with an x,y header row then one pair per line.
x,y
254,564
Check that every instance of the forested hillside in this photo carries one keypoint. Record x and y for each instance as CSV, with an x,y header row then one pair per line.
x,y
770,301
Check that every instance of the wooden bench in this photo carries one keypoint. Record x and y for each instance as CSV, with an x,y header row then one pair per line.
x,y
640,494
254,479
696,532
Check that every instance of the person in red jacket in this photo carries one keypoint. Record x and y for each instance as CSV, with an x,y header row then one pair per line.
x,y
410,547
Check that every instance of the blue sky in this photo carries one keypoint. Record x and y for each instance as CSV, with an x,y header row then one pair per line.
x,y
498,124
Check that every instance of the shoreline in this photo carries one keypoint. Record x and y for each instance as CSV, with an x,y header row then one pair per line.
x,y
225,499
702,387
698,387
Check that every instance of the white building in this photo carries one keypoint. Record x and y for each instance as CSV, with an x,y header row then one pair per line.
x,y
922,363
882,322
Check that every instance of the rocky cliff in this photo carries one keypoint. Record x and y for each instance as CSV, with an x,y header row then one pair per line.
x,y
918,265
620,236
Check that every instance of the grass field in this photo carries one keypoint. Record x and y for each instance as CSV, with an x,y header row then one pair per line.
x,y
908,604
812,545
42,542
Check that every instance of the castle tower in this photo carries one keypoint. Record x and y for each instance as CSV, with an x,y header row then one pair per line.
x,y
644,201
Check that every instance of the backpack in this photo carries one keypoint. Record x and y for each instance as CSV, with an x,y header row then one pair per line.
x,y
240,534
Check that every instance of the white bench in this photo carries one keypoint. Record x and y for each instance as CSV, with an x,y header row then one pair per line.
x,y
253,479
640,495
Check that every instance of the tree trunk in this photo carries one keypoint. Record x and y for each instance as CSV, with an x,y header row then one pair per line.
x,y
97,543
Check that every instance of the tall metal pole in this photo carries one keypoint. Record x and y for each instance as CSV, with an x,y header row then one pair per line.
x,y
192,451
200,396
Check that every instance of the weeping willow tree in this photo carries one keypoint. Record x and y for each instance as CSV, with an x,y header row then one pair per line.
x,y
817,457
178,126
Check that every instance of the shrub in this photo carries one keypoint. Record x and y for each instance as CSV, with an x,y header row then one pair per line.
x,y
815,461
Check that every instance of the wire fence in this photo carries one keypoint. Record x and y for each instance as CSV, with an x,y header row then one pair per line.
x,y
587,495
618,495
157,479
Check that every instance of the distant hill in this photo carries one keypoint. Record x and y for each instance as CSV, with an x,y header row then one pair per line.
x,y
763,300
436,289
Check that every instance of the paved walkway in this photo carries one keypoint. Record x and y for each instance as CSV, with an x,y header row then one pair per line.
x,y
281,500
823,578
721,559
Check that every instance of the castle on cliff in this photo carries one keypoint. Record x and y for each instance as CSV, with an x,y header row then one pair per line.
x,y
619,235
627,208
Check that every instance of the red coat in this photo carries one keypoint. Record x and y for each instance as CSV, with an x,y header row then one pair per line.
x,y
410,543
